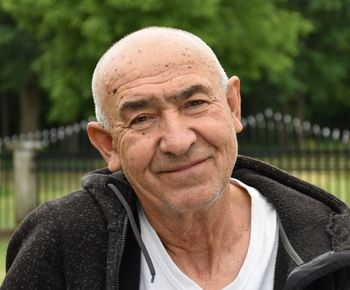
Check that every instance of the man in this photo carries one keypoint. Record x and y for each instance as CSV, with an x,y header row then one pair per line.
x,y
166,214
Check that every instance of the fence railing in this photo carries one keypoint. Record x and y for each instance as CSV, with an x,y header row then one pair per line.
x,y
7,216
59,174
318,155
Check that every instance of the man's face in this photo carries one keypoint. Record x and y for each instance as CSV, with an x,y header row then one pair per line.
x,y
174,134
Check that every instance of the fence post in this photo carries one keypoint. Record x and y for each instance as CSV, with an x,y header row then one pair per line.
x,y
25,177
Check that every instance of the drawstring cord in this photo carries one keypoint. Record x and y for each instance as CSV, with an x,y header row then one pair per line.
x,y
293,254
134,229
287,245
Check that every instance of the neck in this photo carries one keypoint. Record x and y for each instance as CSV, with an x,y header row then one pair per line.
x,y
205,243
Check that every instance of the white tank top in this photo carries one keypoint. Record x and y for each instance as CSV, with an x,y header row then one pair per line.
x,y
258,268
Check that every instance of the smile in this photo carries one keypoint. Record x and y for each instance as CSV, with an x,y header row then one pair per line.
x,y
185,167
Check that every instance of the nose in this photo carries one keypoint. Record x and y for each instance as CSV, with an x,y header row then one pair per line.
x,y
177,136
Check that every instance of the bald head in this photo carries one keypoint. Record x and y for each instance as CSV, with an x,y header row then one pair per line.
x,y
143,54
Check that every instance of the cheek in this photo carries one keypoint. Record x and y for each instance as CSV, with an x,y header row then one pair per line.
x,y
135,153
118,135
218,129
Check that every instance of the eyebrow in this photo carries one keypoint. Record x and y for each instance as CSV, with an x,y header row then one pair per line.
x,y
137,105
189,92
146,102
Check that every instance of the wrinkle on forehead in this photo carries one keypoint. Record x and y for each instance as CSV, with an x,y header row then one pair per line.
x,y
179,73
158,47
148,53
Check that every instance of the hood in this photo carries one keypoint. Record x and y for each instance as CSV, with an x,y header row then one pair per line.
x,y
313,222
311,208
116,198
314,228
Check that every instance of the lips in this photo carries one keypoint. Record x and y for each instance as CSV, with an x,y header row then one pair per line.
x,y
183,167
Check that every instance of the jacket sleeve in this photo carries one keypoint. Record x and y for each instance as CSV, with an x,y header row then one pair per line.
x,y
34,259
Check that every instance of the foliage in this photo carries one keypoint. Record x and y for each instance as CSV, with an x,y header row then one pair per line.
x,y
251,38
17,52
325,60
319,79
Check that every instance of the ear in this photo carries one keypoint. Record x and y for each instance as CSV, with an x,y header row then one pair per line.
x,y
233,97
102,141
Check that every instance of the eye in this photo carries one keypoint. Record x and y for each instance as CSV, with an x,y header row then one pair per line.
x,y
141,122
140,119
196,103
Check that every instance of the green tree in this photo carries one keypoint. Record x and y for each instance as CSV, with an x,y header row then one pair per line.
x,y
316,86
18,83
323,66
251,37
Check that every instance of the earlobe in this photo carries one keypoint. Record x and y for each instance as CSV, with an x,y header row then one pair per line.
x,y
233,96
102,141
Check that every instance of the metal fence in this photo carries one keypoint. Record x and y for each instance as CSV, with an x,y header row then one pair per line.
x,y
61,165
318,155
7,217
66,155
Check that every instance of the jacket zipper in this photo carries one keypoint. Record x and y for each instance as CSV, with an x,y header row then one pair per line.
x,y
125,228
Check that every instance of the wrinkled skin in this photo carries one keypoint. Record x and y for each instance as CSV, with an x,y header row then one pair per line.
x,y
177,152
173,120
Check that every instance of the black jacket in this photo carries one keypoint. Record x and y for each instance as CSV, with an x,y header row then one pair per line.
x,y
85,240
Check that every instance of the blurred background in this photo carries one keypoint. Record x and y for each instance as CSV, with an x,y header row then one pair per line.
x,y
293,59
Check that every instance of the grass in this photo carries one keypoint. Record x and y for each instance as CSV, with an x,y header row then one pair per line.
x,y
3,247
331,175
7,215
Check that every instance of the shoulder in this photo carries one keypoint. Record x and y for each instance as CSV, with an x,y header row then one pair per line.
x,y
73,207
57,243
314,219
76,217
283,189
51,220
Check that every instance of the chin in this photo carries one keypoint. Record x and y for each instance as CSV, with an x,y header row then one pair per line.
x,y
192,202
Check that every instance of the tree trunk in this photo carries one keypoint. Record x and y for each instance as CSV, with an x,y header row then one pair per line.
x,y
30,106
4,112
301,116
301,108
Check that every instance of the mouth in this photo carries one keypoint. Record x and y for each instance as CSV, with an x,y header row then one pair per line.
x,y
184,167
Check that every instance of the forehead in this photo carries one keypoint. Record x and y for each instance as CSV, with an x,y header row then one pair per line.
x,y
163,85
160,90
146,53
167,81
147,96
151,68
143,62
